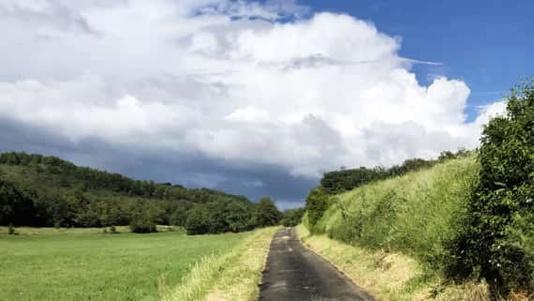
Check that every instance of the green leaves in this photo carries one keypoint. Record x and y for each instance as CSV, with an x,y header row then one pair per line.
x,y
316,204
48,191
266,213
496,242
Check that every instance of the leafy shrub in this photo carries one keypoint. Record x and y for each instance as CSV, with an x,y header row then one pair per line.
x,y
292,217
497,241
219,217
142,225
237,217
198,221
266,213
316,205
11,230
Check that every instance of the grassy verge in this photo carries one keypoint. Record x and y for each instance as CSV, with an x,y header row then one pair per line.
x,y
85,264
232,276
415,214
389,276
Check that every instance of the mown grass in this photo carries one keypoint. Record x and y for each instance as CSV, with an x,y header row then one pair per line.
x,y
85,264
414,214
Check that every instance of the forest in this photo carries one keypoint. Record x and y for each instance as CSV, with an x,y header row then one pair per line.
x,y
44,191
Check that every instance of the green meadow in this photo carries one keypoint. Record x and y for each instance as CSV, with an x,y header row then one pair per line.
x,y
87,264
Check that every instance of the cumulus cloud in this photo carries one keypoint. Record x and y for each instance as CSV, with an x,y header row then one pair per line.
x,y
234,81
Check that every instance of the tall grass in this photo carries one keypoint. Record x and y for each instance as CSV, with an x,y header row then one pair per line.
x,y
232,276
390,276
414,214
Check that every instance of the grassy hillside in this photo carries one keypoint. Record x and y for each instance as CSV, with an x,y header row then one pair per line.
x,y
390,235
460,218
85,264
414,214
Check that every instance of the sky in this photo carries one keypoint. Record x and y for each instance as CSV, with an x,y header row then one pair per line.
x,y
254,98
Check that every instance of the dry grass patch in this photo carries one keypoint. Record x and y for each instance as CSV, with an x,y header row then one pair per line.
x,y
389,276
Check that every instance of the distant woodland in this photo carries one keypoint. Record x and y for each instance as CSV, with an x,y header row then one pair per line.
x,y
37,190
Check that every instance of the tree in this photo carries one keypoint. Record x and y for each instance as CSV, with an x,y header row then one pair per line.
x,y
497,243
178,215
15,207
49,191
141,224
292,217
237,217
198,221
316,204
142,218
266,213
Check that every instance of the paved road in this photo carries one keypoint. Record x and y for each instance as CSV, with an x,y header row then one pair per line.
x,y
294,273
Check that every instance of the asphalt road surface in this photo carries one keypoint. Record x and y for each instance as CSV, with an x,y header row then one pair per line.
x,y
294,273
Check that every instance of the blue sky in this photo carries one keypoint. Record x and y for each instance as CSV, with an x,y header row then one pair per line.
x,y
487,43
254,98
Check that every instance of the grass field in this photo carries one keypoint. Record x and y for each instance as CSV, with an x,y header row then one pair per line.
x,y
85,264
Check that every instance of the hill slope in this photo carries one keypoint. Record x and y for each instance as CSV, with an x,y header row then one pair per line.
x,y
414,214
38,190
390,235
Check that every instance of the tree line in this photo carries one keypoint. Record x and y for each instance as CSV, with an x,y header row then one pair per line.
x,y
45,191
338,181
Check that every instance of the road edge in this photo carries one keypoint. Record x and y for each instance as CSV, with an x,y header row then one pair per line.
x,y
340,270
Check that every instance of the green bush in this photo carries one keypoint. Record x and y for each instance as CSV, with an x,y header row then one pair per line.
x,y
11,230
316,204
497,241
266,214
142,225
292,217
198,221
15,207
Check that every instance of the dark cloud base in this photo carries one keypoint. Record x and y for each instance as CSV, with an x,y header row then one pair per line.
x,y
192,170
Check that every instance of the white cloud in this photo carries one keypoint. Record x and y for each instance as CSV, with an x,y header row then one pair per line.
x,y
228,80
489,111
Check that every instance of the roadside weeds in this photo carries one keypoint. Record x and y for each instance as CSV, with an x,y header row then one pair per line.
x,y
390,276
232,276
